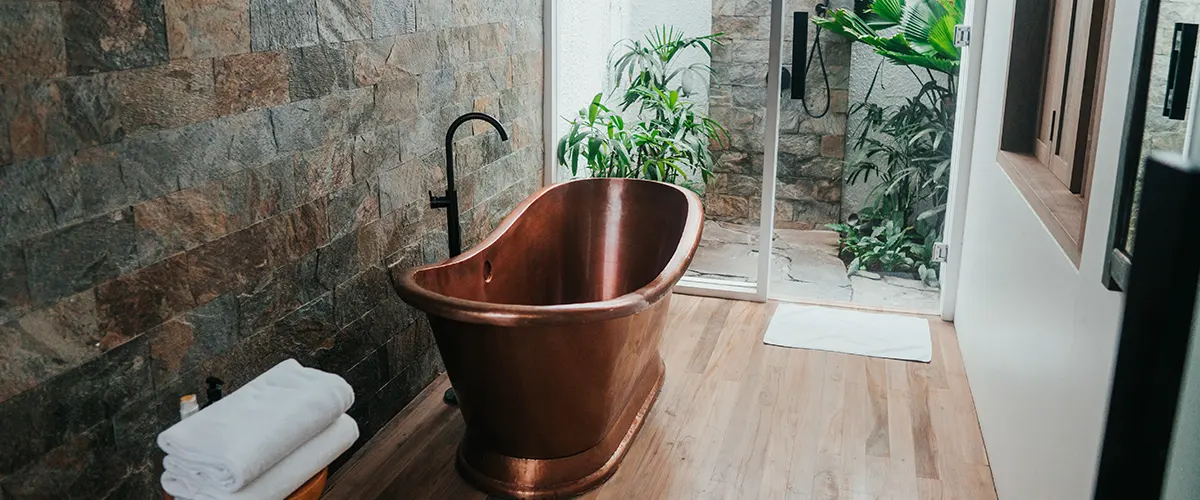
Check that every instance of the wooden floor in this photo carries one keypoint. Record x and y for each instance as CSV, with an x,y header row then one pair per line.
x,y
740,419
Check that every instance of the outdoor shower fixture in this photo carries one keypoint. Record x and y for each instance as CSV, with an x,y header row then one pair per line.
x,y
450,200
796,80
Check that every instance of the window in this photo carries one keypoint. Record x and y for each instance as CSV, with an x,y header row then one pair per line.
x,y
1051,109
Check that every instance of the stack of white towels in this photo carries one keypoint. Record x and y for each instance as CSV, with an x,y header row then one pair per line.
x,y
264,440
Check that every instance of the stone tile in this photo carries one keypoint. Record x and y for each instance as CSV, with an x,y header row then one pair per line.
x,y
228,264
356,356
51,414
134,303
370,60
721,206
165,97
800,145
397,393
46,343
305,230
353,207
14,283
183,343
201,29
349,113
64,114
487,41
282,24
418,53
434,15
743,28
180,221
102,187
339,261
833,146
792,167
250,81
343,20
319,70
286,289
31,41
361,294
401,187
526,35
309,326
81,256
81,463
375,151
256,194
413,338
897,294
323,171
395,231
393,17
527,68
38,196
488,79
298,126
106,35
164,162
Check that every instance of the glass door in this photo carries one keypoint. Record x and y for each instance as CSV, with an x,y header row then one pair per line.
x,y
1161,116
734,259
730,82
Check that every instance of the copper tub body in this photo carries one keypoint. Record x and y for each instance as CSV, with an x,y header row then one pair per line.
x,y
550,330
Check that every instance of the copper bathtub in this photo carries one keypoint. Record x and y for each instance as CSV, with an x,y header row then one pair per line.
x,y
550,330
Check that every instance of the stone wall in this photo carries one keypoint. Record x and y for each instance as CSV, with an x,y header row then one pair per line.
x,y
208,187
809,185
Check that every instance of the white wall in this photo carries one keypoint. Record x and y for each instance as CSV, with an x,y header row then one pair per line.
x,y
1039,335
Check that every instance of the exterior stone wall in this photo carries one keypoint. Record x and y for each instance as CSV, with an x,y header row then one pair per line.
x,y
809,180
208,187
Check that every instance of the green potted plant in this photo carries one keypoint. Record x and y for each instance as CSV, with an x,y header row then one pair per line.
x,y
656,131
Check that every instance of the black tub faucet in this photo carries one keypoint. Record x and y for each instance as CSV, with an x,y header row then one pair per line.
x,y
450,201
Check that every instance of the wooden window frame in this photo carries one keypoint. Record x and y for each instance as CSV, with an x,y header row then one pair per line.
x,y
1052,104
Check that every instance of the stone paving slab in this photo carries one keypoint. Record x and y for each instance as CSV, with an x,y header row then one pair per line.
x,y
805,266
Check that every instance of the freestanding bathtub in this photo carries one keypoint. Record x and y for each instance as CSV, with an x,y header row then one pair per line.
x,y
550,330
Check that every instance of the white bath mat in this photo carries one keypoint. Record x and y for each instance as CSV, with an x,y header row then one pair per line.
x,y
851,332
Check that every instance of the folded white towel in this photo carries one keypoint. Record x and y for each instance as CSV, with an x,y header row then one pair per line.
x,y
286,476
233,441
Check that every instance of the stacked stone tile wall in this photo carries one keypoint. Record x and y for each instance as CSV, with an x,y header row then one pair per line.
x,y
811,150
208,187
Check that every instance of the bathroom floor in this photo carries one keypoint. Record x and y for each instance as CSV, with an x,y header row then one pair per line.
x,y
805,267
740,419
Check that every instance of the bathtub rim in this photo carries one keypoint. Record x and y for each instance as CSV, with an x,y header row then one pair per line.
x,y
489,313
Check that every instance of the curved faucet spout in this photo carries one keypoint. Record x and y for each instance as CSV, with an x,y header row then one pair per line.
x,y
450,201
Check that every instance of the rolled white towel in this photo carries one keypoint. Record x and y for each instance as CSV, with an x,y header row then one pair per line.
x,y
235,440
286,476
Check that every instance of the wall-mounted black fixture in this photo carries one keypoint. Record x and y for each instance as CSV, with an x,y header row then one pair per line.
x,y
450,200
1179,73
802,60
799,44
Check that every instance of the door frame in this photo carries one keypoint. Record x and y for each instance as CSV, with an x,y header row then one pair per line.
x,y
966,106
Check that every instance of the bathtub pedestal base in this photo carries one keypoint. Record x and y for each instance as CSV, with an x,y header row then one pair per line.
x,y
563,477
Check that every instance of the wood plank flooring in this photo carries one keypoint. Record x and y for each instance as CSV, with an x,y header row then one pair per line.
x,y
740,419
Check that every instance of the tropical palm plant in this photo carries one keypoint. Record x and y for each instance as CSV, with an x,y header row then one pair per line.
x,y
925,37
665,137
